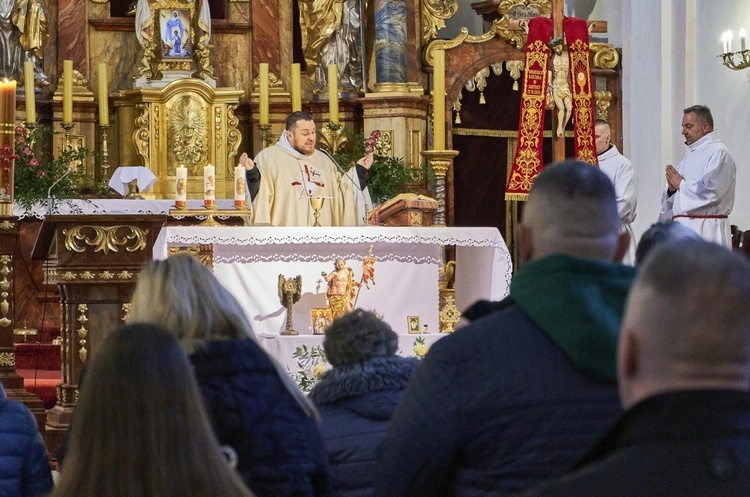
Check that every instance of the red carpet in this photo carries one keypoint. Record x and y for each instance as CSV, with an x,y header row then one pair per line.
x,y
41,382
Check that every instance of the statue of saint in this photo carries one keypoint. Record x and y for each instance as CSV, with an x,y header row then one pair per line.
x,y
558,92
341,288
331,35
23,29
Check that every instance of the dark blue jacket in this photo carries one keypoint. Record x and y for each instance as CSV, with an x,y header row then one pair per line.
x,y
24,462
280,450
356,402
679,443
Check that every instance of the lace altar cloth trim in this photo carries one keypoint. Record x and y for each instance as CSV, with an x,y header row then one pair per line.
x,y
110,207
326,258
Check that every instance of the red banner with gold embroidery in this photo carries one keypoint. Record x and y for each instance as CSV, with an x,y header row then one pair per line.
x,y
577,36
528,163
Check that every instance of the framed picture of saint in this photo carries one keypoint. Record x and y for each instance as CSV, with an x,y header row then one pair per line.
x,y
176,38
321,318
413,323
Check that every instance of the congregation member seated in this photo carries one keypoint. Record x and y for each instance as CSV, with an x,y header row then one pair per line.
x,y
356,398
659,233
683,369
140,427
254,405
24,462
525,390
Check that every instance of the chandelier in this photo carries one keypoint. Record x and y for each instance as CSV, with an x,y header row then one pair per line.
x,y
735,60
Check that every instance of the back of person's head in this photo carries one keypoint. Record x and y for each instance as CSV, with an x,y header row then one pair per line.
x,y
687,322
294,117
183,295
140,428
358,336
571,210
660,233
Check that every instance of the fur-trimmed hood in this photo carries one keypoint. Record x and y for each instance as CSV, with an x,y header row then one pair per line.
x,y
352,380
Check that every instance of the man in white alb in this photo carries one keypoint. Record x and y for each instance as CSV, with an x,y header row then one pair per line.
x,y
620,172
284,177
700,191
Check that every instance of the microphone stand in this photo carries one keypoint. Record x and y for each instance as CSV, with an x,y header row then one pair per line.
x,y
49,190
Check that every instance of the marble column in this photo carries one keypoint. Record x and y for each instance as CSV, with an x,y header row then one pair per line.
x,y
71,35
390,45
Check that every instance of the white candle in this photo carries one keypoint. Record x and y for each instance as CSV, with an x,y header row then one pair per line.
x,y
724,42
209,186
180,194
730,36
28,76
333,93
743,35
239,186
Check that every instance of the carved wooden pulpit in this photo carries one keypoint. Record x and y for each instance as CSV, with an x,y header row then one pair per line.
x,y
98,259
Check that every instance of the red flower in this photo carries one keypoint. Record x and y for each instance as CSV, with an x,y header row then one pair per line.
x,y
6,161
41,173
20,130
6,150
33,162
20,139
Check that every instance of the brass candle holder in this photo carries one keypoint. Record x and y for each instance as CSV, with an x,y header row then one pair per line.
x,y
66,134
211,213
440,161
264,129
105,153
30,132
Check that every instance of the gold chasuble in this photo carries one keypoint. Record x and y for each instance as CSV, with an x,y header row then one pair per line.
x,y
289,180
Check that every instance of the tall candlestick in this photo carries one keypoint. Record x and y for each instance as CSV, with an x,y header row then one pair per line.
x,y
333,93
180,187
296,88
209,189
103,95
263,89
68,91
7,140
438,99
239,186
28,79
743,35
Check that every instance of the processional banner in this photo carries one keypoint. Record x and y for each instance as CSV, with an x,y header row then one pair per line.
x,y
528,161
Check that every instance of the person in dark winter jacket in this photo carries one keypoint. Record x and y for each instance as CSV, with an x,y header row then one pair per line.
x,y
683,369
356,398
519,395
24,462
253,404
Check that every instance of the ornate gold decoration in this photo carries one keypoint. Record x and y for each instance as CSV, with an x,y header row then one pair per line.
x,y
233,136
7,359
434,15
518,10
331,138
605,55
457,107
384,143
742,59
124,311
87,275
7,225
124,275
68,276
155,124
449,315
187,133
142,134
203,252
514,68
603,99
440,161
106,275
217,125
6,298
106,239
290,291
82,331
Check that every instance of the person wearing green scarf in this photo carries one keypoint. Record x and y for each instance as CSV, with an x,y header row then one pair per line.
x,y
519,395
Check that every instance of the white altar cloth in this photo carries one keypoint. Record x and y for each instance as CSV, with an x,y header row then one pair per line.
x,y
249,260
111,206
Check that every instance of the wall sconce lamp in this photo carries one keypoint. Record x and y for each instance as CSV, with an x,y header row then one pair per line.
x,y
735,60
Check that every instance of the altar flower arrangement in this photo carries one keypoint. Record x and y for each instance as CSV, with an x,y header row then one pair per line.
x,y
36,171
420,348
311,364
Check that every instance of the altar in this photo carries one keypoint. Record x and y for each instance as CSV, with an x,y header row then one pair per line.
x,y
249,261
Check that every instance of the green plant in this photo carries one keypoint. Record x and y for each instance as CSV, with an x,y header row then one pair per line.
x,y
311,363
39,175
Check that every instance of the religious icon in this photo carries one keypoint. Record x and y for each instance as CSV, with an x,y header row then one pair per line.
x,y
414,324
175,33
240,187
181,187
321,318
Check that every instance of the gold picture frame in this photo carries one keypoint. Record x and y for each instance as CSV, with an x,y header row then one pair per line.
x,y
320,319
414,325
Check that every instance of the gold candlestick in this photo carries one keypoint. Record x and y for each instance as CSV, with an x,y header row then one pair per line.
x,y
264,129
30,135
105,154
66,135
440,161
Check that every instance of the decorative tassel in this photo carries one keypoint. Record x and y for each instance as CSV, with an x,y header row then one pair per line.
x,y
458,118
481,98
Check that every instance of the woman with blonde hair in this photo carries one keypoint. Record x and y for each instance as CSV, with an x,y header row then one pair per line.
x,y
254,405
140,427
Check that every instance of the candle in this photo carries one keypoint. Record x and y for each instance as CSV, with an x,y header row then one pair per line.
x,y
180,195
103,95
333,93
438,99
724,42
239,186
743,35
263,80
68,91
730,36
8,107
296,88
7,139
209,188
28,79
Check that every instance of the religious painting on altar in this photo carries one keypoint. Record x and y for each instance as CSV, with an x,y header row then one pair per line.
x,y
413,323
320,318
174,26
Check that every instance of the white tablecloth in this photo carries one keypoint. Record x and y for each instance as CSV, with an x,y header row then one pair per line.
x,y
144,177
110,206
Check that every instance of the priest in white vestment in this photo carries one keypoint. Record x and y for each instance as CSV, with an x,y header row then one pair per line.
x,y
620,172
700,191
284,177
